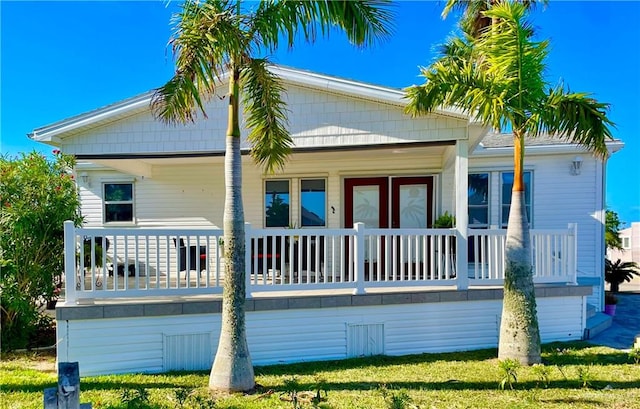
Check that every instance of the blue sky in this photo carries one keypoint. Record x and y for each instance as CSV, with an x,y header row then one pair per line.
x,y
59,59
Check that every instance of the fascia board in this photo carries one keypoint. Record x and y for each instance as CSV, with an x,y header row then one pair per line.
x,y
128,106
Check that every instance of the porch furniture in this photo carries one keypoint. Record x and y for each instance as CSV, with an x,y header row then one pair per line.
x,y
196,252
101,247
264,257
271,258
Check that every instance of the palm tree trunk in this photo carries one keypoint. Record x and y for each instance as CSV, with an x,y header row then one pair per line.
x,y
614,286
519,332
232,369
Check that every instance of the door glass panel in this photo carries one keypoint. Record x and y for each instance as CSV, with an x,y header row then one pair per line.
x,y
366,209
413,206
366,205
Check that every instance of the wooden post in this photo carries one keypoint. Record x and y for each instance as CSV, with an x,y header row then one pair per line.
x,y
70,277
67,394
51,398
68,385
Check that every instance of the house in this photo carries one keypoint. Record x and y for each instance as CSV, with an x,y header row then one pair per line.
x,y
630,240
342,256
630,252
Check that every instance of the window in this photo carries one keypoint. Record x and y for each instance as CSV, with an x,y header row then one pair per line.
x,y
507,185
313,202
118,202
626,242
478,192
276,203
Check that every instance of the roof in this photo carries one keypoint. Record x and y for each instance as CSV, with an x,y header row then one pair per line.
x,y
140,103
497,142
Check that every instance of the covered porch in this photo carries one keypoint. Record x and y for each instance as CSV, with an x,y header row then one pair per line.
x,y
125,263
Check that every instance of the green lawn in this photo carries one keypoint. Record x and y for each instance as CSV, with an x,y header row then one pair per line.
x,y
575,375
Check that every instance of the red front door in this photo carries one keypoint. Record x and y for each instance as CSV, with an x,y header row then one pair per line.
x,y
369,201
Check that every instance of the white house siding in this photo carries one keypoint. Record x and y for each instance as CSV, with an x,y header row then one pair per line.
x,y
135,344
352,164
325,119
315,119
559,198
178,194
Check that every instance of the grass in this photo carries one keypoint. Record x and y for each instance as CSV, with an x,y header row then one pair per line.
x,y
574,375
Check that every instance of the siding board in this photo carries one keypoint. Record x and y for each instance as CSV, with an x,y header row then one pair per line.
x,y
281,336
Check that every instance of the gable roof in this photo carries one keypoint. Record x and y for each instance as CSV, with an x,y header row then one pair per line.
x,y
307,79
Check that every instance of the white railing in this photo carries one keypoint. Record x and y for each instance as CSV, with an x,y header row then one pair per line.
x,y
349,258
553,255
136,262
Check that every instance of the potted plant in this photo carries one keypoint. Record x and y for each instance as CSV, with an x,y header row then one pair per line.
x,y
610,302
619,272
445,221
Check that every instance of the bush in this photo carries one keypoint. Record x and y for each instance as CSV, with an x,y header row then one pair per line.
x,y
36,196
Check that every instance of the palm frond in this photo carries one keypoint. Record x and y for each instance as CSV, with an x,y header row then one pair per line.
x,y
456,81
364,22
578,118
474,22
512,56
205,36
266,115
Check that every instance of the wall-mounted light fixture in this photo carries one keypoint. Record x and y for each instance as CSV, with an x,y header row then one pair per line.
x,y
576,165
84,176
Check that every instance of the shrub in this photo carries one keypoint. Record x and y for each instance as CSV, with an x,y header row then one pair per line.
x,y
36,196
619,272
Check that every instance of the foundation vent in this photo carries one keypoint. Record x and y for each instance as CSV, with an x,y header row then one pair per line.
x,y
365,339
187,352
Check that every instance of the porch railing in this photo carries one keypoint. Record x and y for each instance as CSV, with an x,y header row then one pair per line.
x,y
137,262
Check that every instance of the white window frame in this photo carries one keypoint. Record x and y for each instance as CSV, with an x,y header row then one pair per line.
x,y
626,242
106,202
502,205
326,202
488,199
264,201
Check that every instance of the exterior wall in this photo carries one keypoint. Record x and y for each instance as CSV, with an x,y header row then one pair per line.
x,y
187,194
160,337
632,253
175,195
559,198
316,119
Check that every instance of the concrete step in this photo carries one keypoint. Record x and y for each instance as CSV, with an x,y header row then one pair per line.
x,y
596,324
591,310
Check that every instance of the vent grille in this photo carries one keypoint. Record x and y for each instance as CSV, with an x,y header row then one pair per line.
x,y
365,339
187,352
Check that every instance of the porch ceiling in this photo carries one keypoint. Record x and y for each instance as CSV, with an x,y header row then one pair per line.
x,y
142,164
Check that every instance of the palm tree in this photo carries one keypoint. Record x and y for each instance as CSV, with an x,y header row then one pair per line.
x,y
474,21
497,78
217,39
619,272
612,226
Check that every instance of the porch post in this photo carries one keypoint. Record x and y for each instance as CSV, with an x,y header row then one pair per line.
x,y
462,223
69,263
358,255
573,252
247,260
